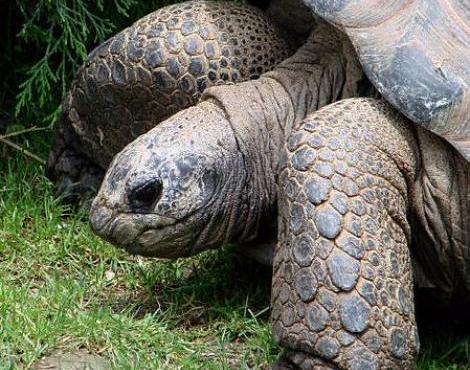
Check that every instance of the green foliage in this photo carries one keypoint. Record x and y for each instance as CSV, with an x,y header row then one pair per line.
x,y
44,42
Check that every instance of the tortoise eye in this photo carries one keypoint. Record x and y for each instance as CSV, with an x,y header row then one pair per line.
x,y
147,194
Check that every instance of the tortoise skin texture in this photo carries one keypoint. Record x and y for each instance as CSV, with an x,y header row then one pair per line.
x,y
417,54
342,280
151,70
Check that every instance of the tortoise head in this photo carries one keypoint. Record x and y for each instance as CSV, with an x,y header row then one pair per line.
x,y
168,193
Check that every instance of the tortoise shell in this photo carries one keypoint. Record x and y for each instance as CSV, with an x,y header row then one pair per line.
x,y
161,65
417,54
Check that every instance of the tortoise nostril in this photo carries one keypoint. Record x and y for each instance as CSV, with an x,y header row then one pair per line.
x,y
146,194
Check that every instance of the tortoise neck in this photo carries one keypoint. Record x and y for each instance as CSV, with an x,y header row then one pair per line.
x,y
324,70
258,112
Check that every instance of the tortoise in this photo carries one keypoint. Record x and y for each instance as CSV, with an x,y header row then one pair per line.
x,y
147,72
358,198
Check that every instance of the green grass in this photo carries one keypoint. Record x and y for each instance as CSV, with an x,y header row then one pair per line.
x,y
63,288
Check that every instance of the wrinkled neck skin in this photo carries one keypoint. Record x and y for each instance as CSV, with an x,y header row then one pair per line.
x,y
215,165
262,113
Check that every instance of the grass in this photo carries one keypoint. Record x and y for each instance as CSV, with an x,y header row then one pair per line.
x,y
62,288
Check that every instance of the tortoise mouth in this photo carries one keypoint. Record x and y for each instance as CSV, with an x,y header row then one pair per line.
x,y
122,229
148,235
167,242
179,239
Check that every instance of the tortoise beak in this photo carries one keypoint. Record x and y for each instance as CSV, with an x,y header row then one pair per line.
x,y
120,228
100,216
114,228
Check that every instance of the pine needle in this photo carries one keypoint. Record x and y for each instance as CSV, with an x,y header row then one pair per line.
x,y
21,132
22,150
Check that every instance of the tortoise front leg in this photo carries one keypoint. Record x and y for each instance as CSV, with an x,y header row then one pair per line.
x,y
70,169
342,292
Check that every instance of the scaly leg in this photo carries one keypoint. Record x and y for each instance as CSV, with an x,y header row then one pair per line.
x,y
70,169
342,294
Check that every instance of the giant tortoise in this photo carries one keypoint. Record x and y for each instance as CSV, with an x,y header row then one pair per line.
x,y
370,196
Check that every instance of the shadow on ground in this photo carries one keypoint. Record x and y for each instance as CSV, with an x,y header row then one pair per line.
x,y
211,288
